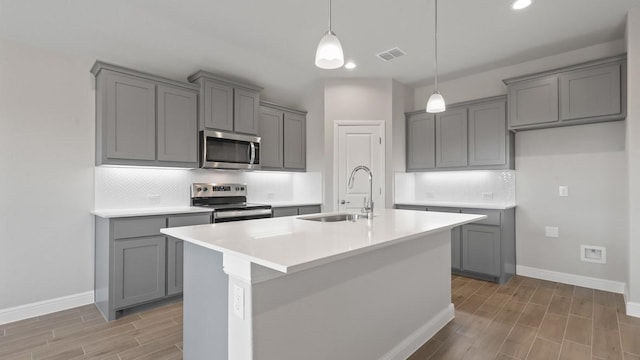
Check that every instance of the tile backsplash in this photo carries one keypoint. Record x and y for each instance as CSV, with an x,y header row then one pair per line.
x,y
137,187
478,186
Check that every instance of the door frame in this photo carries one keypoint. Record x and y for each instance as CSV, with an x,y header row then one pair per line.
x,y
336,127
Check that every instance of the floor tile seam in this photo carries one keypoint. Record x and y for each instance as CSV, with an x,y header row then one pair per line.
x,y
86,335
593,323
511,331
435,351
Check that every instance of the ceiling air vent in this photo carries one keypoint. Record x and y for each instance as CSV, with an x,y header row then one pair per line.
x,y
391,54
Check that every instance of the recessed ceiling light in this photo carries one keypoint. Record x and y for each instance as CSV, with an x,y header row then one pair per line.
x,y
520,4
350,65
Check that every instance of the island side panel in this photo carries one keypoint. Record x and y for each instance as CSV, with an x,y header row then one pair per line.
x,y
205,304
381,304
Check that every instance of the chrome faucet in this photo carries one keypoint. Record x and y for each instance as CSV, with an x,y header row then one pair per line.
x,y
368,205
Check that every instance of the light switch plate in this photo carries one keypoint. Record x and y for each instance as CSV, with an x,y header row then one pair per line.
x,y
551,231
487,196
563,191
238,301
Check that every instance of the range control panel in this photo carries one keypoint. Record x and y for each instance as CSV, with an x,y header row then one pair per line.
x,y
217,190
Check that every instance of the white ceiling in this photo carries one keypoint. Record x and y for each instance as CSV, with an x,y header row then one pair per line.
x,y
272,42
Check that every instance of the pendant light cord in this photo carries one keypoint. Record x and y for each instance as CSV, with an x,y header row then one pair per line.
x,y
330,16
436,39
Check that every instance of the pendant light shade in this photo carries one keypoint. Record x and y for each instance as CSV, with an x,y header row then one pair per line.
x,y
436,102
329,54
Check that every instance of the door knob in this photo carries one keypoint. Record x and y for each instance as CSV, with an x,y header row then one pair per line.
x,y
342,202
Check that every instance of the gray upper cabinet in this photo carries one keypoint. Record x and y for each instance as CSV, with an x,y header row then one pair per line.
x,y
295,136
533,102
177,125
216,105
488,134
451,138
579,94
227,105
129,110
143,119
271,142
469,135
283,133
590,92
421,139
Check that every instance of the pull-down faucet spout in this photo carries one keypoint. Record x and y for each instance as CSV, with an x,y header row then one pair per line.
x,y
368,202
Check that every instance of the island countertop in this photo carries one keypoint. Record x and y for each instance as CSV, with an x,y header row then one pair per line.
x,y
290,244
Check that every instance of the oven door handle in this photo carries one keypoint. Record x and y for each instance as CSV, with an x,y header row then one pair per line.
x,y
240,213
253,153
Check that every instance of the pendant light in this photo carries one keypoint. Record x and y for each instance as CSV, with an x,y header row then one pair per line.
x,y
329,54
436,102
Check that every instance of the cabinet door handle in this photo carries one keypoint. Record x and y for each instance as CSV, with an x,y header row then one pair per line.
x,y
342,202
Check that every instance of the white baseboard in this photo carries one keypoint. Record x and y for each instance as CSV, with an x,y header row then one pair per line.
x,y
571,279
45,307
633,309
414,341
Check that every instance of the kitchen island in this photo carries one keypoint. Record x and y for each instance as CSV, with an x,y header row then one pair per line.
x,y
291,288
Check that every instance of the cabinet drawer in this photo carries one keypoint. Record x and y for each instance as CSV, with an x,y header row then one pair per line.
x,y
285,211
493,216
138,226
411,207
443,209
303,210
188,220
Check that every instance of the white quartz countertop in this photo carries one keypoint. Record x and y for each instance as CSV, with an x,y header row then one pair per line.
x,y
290,244
116,213
461,205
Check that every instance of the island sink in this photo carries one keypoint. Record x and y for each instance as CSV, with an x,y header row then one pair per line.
x,y
334,217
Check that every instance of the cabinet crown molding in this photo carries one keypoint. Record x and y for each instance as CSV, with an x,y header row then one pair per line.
x,y
101,65
462,104
272,105
211,76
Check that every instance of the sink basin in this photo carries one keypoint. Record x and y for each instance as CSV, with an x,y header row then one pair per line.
x,y
334,217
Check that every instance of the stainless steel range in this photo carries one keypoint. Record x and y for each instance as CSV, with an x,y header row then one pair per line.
x,y
228,201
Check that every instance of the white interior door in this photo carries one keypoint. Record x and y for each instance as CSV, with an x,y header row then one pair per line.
x,y
359,145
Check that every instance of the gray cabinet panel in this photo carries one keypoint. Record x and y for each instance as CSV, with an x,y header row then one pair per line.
x,y
533,102
285,211
175,265
139,270
488,134
271,134
493,216
188,220
295,141
421,148
218,106
590,92
312,209
481,249
411,207
246,111
138,226
456,248
443,209
177,125
451,138
130,118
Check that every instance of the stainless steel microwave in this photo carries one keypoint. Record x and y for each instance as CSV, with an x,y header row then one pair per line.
x,y
222,150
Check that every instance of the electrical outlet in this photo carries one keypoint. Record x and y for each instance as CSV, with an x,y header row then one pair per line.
x,y
551,231
154,198
487,196
563,191
429,195
271,196
238,301
591,253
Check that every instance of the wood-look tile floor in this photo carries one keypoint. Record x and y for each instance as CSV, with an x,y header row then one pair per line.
x,y
533,319
523,319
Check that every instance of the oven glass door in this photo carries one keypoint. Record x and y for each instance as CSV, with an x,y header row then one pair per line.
x,y
221,152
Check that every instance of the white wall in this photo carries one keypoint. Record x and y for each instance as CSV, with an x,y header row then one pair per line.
x,y
588,158
633,155
46,187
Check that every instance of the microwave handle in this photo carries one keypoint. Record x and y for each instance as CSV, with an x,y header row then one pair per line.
x,y
253,153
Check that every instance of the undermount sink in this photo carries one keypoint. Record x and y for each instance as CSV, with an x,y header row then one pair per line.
x,y
334,217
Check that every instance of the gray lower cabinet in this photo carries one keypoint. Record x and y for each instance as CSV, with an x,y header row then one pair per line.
x,y
283,135
136,264
142,119
584,93
468,136
296,210
421,139
485,249
226,104
139,270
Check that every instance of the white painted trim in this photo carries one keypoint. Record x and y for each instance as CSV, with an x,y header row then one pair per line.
x,y
633,309
381,124
571,279
414,341
45,307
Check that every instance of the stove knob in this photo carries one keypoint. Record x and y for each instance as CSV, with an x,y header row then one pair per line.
x,y
204,189
198,189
